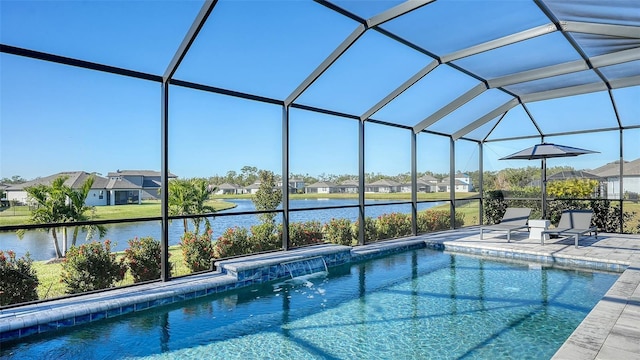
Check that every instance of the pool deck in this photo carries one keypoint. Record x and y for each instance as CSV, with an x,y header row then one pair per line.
x,y
610,331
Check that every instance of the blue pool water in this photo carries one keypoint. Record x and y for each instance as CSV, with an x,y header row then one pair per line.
x,y
421,304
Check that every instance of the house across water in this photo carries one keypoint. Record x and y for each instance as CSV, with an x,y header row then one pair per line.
x,y
118,188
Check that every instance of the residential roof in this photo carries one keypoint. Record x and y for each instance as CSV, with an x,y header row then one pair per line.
x,y
121,184
427,177
149,173
149,183
350,182
75,179
573,174
255,185
322,184
445,181
227,186
384,182
612,169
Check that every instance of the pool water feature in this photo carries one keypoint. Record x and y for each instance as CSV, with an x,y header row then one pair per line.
x,y
306,266
411,305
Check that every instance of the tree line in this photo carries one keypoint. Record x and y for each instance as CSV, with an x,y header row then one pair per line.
x,y
505,179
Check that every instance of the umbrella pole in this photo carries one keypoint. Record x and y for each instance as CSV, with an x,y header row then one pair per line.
x,y
544,188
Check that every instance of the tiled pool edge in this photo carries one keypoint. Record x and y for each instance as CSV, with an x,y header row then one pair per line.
x,y
20,322
543,258
608,332
236,274
45,317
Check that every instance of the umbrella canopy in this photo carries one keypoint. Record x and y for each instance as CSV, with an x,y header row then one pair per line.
x,y
543,152
547,150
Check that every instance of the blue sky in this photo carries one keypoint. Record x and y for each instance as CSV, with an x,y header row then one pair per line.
x,y
58,118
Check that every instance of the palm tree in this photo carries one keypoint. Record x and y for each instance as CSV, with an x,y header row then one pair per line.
x,y
78,209
59,203
51,207
188,197
179,199
200,196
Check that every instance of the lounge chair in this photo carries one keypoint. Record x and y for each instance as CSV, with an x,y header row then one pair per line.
x,y
512,220
573,223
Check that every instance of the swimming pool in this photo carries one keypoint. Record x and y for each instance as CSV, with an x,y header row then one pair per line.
x,y
416,304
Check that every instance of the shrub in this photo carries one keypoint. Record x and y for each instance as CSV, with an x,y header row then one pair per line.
x,y
143,257
18,279
494,207
197,250
90,267
433,220
370,231
263,238
607,218
338,231
233,242
393,225
303,233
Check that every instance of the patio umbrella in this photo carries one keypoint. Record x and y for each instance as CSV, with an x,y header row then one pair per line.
x,y
543,152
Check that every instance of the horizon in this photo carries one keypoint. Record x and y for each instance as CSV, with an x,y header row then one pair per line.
x,y
318,177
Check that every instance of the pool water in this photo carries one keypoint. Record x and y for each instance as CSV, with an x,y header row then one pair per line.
x,y
421,304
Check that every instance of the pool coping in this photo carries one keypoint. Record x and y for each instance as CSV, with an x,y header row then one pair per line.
x,y
623,298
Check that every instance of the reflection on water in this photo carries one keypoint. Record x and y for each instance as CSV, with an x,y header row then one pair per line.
x,y
40,247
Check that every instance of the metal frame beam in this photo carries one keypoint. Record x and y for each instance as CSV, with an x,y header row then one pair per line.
x,y
444,111
625,82
341,49
624,31
452,183
481,180
487,117
165,266
414,184
545,9
503,41
189,38
396,11
361,185
493,128
400,89
539,73
285,177
614,58
32,54
564,133
563,92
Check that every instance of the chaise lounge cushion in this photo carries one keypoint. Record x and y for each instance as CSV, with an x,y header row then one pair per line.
x,y
572,223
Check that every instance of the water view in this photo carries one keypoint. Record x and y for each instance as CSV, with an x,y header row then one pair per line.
x,y
39,243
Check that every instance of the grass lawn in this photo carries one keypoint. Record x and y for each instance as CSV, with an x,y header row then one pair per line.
x,y
469,210
17,215
51,285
